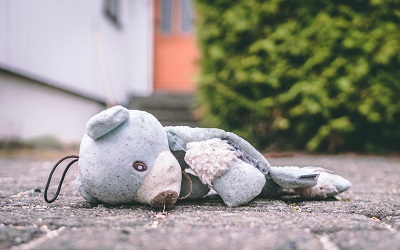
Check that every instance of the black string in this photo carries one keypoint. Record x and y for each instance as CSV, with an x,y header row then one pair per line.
x,y
62,178
190,185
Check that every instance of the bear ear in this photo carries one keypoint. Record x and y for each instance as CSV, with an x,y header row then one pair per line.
x,y
105,121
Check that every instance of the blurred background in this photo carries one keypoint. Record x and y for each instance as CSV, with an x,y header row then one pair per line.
x,y
63,61
285,75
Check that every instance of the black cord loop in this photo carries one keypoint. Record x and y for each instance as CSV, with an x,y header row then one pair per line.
x,y
190,185
62,178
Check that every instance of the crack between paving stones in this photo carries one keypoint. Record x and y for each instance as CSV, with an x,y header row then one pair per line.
x,y
50,234
23,193
327,244
389,227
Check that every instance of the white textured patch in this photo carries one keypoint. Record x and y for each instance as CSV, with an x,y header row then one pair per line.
x,y
324,188
209,159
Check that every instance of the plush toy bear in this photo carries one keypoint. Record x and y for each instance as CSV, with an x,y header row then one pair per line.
x,y
128,156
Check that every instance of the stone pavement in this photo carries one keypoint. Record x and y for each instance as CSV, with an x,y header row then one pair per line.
x,y
365,217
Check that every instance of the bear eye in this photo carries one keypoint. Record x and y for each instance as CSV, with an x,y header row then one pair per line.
x,y
139,166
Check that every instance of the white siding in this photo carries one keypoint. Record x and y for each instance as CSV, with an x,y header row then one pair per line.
x,y
29,109
52,40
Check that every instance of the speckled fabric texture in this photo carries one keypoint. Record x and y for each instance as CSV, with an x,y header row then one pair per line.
x,y
308,182
106,171
240,184
104,122
293,177
328,184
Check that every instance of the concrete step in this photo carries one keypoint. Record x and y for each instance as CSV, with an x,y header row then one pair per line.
x,y
171,109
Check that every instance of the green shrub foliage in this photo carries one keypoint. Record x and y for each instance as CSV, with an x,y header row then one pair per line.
x,y
316,75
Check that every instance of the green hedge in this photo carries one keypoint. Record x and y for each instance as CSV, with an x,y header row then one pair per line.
x,y
316,75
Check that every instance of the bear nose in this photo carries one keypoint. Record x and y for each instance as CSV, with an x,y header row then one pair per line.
x,y
165,198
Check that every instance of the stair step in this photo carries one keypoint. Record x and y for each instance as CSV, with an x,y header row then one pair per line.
x,y
171,109
165,100
172,114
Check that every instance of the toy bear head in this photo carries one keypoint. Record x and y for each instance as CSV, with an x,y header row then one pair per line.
x,y
124,157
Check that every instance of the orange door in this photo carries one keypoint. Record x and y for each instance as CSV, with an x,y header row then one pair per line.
x,y
175,50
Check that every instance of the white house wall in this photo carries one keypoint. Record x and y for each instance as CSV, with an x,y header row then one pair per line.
x,y
50,77
31,110
53,41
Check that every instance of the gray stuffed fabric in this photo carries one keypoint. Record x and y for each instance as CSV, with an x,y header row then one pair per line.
x,y
125,157
179,136
128,156
245,173
238,179
308,182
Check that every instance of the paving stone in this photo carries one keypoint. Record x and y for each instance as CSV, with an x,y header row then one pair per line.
x,y
365,217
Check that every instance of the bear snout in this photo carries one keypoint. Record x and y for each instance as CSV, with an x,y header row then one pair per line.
x,y
166,198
